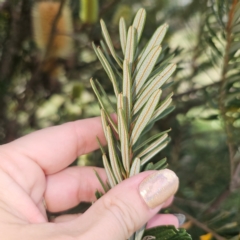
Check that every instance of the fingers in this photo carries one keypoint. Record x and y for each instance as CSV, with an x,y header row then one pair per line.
x,y
163,219
129,205
55,148
66,218
68,188
158,220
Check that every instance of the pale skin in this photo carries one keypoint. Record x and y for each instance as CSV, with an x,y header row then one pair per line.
x,y
35,167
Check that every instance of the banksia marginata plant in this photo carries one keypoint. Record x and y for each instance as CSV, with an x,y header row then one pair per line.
x,y
138,81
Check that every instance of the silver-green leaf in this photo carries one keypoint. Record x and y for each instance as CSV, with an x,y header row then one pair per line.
x,y
135,168
123,34
156,83
109,42
155,40
130,46
145,116
108,70
106,96
151,154
124,141
102,105
140,232
113,156
153,145
127,94
145,70
151,139
108,170
139,22
162,107
104,122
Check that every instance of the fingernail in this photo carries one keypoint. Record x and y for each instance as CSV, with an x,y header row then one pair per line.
x,y
158,187
181,218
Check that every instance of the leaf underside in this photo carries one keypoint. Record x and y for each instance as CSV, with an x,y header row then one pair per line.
x,y
138,79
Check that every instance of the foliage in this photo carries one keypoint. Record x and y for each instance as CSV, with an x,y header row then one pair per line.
x,y
138,88
168,233
205,123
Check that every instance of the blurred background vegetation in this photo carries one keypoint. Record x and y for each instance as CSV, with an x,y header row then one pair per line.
x,y
41,86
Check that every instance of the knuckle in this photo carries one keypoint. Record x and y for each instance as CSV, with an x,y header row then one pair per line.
x,y
124,214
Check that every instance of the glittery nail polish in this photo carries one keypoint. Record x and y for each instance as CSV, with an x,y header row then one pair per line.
x,y
158,187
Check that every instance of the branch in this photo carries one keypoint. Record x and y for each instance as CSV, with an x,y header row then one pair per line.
x,y
235,184
222,92
195,90
218,201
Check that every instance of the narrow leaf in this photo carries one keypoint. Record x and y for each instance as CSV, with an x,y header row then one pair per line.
x,y
167,85
135,168
156,83
127,95
119,105
151,139
132,237
139,233
108,70
124,141
109,42
153,145
102,105
164,113
104,122
139,22
106,66
146,69
108,170
120,100
162,164
105,187
153,153
113,155
130,46
162,107
155,40
163,63
106,96
98,194
100,146
123,34
145,116
104,47
97,94
105,50
149,167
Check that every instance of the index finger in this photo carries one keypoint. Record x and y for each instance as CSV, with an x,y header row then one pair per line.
x,y
55,148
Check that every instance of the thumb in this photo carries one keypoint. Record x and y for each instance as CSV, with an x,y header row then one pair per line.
x,y
129,205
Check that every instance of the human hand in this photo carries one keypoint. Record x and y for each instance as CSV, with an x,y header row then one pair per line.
x,y
35,167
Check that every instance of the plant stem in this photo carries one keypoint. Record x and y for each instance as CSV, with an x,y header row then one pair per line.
x,y
222,92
